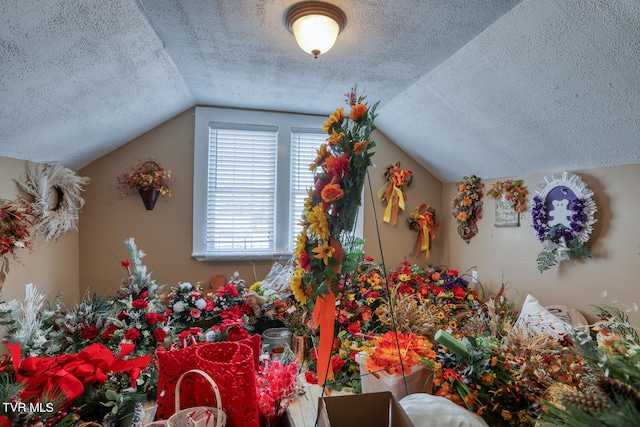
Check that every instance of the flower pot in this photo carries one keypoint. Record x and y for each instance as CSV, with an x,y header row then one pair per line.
x,y
149,197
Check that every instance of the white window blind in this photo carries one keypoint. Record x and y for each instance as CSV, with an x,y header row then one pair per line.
x,y
304,149
250,179
241,197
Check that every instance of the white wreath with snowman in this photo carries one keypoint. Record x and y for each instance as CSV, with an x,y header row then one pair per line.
x,y
562,213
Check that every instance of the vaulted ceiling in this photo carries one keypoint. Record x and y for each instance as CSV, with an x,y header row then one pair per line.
x,y
494,88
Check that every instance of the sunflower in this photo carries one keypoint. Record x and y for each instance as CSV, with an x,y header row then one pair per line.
x,y
297,287
318,224
322,153
301,243
334,119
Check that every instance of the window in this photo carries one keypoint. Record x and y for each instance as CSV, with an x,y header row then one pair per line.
x,y
304,148
251,176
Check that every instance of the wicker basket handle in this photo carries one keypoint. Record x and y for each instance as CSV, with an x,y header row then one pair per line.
x,y
213,385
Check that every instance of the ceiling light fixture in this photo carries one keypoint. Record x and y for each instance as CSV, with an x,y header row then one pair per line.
x,y
315,25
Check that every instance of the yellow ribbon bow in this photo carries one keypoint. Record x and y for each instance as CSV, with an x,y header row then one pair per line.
x,y
423,221
393,191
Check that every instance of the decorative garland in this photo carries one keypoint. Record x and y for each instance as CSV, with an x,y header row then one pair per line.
x,y
467,206
513,191
15,223
564,229
423,221
393,192
57,200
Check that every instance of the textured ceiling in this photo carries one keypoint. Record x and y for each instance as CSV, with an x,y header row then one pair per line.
x,y
495,88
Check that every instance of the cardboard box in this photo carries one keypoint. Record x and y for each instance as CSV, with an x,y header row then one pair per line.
x,y
371,410
419,380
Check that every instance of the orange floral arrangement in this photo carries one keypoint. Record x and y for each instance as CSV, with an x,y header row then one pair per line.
x,y
513,191
467,206
147,175
395,351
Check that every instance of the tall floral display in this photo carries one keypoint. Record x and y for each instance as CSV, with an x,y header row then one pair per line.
x,y
329,215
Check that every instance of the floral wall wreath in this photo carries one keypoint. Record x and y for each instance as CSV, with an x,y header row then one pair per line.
x,y
467,206
392,193
562,215
423,221
57,199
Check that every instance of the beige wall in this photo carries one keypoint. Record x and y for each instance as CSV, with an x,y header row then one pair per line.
x,y
165,233
500,254
398,240
52,267
508,255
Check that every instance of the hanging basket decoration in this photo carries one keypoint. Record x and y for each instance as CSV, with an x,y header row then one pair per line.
x,y
562,213
147,178
149,197
423,221
57,199
393,192
467,206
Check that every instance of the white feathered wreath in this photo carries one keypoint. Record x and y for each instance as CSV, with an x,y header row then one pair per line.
x,y
57,200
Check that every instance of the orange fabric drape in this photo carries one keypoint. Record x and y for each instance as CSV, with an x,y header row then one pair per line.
x,y
324,316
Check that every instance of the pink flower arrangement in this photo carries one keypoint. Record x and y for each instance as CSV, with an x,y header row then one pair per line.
x,y
277,385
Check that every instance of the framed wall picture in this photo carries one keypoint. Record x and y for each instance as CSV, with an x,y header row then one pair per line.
x,y
506,214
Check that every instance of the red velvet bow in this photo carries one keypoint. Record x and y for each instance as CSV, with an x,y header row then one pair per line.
x,y
70,372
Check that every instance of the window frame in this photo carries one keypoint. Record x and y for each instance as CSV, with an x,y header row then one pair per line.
x,y
285,123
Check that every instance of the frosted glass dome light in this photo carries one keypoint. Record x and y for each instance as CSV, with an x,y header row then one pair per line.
x,y
315,25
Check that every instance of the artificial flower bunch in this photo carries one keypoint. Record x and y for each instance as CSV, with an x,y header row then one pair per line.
x,y
189,303
331,206
612,394
513,190
423,301
484,377
138,313
467,206
70,331
15,223
362,295
230,305
277,384
345,367
147,175
397,352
